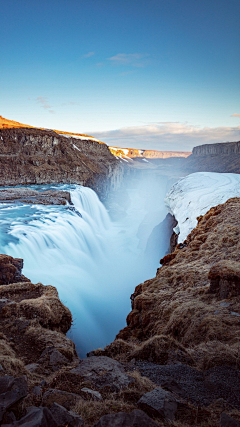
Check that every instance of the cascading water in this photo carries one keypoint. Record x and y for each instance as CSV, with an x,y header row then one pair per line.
x,y
94,263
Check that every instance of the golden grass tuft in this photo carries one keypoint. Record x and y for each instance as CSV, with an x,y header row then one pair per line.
x,y
13,366
92,411
216,353
158,348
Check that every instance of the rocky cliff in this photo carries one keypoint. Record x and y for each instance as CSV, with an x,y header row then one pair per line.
x,y
222,157
216,149
36,156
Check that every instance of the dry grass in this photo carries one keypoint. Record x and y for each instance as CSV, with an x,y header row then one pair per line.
x,y
159,349
216,353
13,366
92,411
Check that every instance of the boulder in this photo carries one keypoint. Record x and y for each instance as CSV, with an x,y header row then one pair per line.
x,y
227,421
95,395
11,390
63,398
159,402
103,372
32,367
36,417
52,358
64,417
136,418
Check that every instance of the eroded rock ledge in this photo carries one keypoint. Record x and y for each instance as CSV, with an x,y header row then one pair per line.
x,y
27,195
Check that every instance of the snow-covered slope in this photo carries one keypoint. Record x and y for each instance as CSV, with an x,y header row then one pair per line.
x,y
195,194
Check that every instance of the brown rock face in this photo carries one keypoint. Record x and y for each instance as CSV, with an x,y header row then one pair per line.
x,y
220,148
225,279
222,157
186,299
33,323
10,270
35,156
26,195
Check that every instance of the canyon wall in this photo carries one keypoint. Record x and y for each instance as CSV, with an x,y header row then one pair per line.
x,y
222,157
221,148
36,156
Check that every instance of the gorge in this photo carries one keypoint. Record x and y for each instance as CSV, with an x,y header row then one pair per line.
x,y
183,330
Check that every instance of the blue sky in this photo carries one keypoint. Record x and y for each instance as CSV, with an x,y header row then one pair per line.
x,y
161,74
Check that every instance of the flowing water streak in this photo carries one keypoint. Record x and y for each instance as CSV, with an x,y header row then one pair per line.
x,y
94,263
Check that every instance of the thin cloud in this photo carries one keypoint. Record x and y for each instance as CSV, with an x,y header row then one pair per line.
x,y
130,59
168,136
235,115
43,101
88,55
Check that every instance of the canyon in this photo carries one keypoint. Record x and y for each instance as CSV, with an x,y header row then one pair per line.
x,y
180,347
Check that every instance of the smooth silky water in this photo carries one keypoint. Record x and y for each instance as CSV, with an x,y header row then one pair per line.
x,y
94,263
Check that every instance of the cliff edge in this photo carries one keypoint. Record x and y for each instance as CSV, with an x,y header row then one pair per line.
x,y
221,157
36,156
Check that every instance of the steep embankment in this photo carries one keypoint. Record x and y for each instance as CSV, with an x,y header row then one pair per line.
x,y
35,156
222,157
193,302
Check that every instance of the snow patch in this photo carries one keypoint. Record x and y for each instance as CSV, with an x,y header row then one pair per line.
x,y
74,146
83,138
195,194
125,151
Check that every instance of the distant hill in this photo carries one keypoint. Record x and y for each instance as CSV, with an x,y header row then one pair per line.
x,y
148,154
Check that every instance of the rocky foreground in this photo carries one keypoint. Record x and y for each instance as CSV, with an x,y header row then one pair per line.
x,y
176,363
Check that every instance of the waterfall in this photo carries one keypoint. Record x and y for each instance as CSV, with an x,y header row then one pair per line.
x,y
94,263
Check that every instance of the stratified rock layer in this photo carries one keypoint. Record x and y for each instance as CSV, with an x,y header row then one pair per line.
x,y
221,157
35,156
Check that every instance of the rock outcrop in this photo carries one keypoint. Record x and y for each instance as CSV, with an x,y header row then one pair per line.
x,y
27,195
35,156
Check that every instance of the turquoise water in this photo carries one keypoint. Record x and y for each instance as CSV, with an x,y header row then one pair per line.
x,y
95,263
